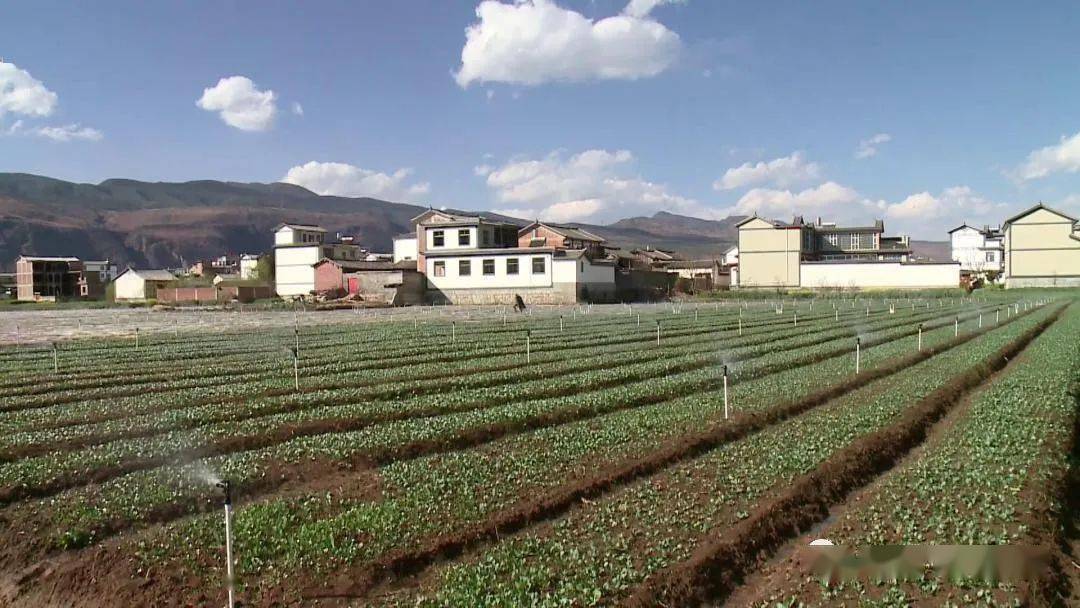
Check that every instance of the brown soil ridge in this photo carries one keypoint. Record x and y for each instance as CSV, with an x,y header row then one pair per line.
x,y
467,438
339,385
345,425
358,582
722,560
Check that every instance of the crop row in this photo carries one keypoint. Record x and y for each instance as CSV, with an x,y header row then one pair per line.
x,y
987,479
435,494
559,377
601,551
50,473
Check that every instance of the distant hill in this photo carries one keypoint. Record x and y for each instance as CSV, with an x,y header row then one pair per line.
x,y
162,224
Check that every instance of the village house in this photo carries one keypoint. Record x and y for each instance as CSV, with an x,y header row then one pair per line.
x,y
141,285
298,248
980,252
475,260
823,255
1042,249
40,278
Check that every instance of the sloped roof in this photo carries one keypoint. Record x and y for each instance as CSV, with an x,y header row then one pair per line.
x,y
151,275
1036,208
567,231
310,227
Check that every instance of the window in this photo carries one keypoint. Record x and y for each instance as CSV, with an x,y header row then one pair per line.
x,y
464,268
581,266
539,267
990,256
511,265
832,239
440,269
489,267
438,239
463,239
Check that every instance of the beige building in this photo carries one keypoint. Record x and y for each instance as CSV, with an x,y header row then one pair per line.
x,y
823,255
139,285
1042,249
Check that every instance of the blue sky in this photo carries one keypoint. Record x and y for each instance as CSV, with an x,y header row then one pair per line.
x,y
569,110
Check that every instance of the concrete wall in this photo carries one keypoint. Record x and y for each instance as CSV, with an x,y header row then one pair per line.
x,y
450,238
294,274
892,275
394,287
768,256
129,286
477,280
405,249
562,293
1041,248
289,236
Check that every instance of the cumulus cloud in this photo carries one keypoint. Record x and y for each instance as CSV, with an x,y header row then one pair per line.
x,y
1061,158
240,103
342,179
530,42
827,198
869,147
782,172
956,202
642,8
21,93
594,185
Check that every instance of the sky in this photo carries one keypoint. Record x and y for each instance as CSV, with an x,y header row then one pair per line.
x,y
926,114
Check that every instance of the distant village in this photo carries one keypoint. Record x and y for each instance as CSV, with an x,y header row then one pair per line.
x,y
452,258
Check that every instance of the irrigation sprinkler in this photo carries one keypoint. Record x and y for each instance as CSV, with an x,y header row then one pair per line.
x,y
296,335
695,315
725,394
136,338
639,319
55,359
453,332
226,489
836,314
920,337
740,325
560,323
858,354
997,316
296,366
980,320
956,327
658,333
18,336
795,316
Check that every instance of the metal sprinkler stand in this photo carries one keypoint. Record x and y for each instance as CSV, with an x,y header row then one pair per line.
x,y
296,367
725,394
920,337
858,353
226,488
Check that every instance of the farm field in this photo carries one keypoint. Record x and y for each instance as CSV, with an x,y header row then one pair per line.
x,y
603,455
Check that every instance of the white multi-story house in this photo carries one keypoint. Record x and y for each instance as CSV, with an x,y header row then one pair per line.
x,y
978,251
474,260
297,248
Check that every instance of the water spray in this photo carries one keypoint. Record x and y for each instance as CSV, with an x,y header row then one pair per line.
x,y
226,489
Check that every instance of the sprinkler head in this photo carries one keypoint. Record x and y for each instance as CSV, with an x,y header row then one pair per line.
x,y
725,371
226,488
292,350
858,341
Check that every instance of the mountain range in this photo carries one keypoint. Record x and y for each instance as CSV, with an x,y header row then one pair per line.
x,y
167,224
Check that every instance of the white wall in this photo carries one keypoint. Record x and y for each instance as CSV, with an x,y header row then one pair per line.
x,y
129,286
450,237
405,249
248,268
294,272
524,278
290,236
596,273
880,275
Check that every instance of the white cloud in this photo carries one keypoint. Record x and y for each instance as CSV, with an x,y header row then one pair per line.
x,y
21,93
957,203
782,172
240,104
827,199
69,133
482,170
1062,158
869,147
531,42
63,133
642,8
342,179
297,108
594,186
